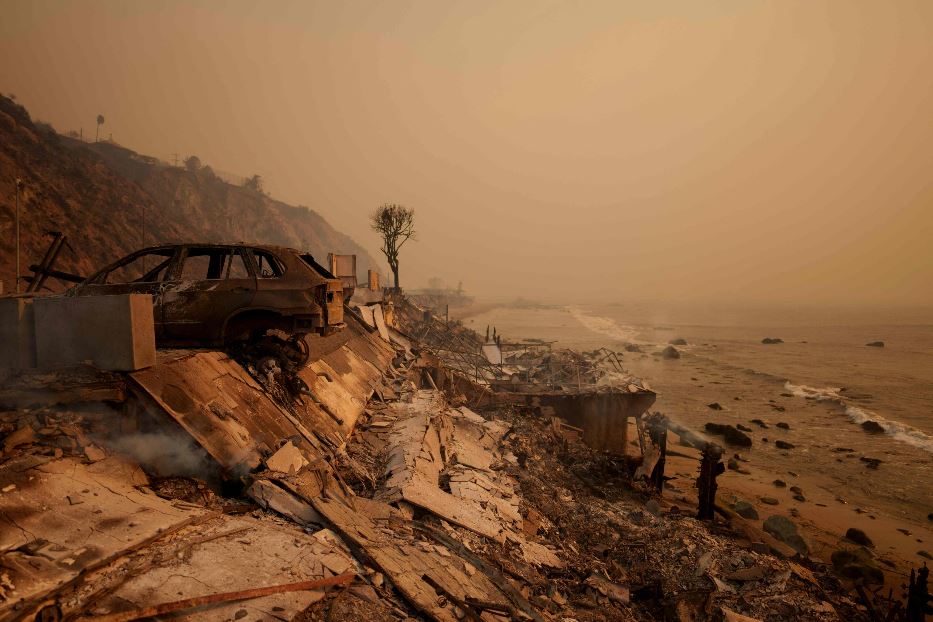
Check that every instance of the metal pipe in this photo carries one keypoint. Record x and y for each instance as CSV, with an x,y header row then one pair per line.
x,y
19,182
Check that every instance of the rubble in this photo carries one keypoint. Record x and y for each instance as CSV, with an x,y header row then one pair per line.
x,y
409,479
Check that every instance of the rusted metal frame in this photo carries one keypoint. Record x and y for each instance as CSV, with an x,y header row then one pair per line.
x,y
477,363
200,601
451,338
58,274
457,354
40,272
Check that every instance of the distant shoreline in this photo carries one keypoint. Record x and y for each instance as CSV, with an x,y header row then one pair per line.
x,y
838,490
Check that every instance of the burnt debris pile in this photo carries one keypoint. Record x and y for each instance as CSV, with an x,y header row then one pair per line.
x,y
402,467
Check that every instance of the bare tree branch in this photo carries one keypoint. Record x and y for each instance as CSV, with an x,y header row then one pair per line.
x,y
396,225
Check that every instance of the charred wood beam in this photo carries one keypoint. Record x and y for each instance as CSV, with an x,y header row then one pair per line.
x,y
57,274
711,467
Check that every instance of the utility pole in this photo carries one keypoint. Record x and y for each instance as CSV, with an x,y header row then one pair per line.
x,y
19,183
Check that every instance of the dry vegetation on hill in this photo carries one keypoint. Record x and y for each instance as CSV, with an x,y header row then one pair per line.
x,y
110,200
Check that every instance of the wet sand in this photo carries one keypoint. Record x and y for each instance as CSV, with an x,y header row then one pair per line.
x,y
750,381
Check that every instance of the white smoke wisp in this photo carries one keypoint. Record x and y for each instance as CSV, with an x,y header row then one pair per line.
x,y
164,455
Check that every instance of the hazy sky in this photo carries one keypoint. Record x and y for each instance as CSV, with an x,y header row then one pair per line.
x,y
674,149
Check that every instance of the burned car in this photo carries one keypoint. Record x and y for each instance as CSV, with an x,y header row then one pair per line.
x,y
219,294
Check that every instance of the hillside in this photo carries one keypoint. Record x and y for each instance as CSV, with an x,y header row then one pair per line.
x,y
110,200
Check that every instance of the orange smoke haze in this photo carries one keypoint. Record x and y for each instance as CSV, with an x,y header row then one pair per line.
x,y
764,151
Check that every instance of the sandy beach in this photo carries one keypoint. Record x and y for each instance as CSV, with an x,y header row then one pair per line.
x,y
822,382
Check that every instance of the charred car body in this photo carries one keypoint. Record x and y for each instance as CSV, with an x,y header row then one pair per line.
x,y
219,294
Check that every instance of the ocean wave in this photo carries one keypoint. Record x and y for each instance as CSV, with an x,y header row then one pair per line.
x,y
603,325
895,429
822,394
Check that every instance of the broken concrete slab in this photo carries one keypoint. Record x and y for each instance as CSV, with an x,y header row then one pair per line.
x,y
79,384
17,333
64,517
222,407
272,497
288,459
420,570
428,439
216,554
344,370
113,332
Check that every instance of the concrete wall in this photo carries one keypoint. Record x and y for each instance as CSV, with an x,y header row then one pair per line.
x,y
603,415
112,332
17,333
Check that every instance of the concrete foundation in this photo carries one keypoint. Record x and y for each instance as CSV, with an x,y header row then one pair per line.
x,y
602,415
112,332
17,333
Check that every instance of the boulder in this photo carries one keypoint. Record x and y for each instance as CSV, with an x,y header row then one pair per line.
x,y
871,463
875,344
743,428
730,434
670,353
783,426
769,500
734,437
678,342
785,530
771,340
783,444
760,423
858,537
745,510
714,406
733,464
857,564
632,347
872,427
780,483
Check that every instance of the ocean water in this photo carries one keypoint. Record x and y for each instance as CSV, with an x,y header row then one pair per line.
x,y
824,355
823,380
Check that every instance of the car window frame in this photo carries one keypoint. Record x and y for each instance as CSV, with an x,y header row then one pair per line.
x,y
183,255
282,265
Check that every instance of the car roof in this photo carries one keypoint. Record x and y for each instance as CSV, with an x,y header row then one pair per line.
x,y
267,247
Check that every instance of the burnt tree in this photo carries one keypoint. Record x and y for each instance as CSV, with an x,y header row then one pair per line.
x,y
396,225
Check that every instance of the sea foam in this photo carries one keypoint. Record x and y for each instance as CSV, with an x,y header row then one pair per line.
x,y
603,325
895,429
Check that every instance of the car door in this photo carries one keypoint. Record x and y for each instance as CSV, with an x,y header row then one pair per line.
x,y
143,272
209,284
